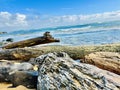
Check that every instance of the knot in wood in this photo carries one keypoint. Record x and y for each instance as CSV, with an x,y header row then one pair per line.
x,y
48,35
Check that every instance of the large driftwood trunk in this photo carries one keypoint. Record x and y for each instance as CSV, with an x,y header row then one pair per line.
x,y
75,52
47,38
106,60
57,71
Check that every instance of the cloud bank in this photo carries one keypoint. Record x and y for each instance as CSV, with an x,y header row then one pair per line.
x,y
12,21
79,19
18,21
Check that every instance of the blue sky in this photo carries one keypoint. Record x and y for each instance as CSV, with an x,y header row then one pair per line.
x,y
26,14
59,7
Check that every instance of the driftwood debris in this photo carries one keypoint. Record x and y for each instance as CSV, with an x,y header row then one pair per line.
x,y
46,38
57,71
107,60
75,52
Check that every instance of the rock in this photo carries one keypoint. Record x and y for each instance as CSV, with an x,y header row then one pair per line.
x,y
7,67
57,71
106,60
25,78
4,71
4,77
9,40
3,32
22,67
14,66
18,74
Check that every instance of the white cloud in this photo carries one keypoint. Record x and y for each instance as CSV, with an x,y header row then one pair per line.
x,y
9,21
21,19
5,15
79,19
12,21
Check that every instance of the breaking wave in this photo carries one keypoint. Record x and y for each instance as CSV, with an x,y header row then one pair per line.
x,y
93,33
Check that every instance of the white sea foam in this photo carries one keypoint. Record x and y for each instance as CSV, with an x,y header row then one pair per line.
x,y
93,33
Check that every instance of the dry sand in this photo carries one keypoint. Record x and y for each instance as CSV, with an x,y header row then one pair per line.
x,y
5,86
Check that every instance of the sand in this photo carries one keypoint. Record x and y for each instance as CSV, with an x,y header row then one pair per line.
x,y
5,86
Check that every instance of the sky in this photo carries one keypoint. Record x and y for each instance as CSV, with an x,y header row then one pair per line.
x,y
32,14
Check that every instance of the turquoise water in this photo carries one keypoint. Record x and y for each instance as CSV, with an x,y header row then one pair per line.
x,y
86,34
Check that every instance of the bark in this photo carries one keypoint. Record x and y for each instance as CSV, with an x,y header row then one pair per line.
x,y
106,60
47,38
75,52
57,71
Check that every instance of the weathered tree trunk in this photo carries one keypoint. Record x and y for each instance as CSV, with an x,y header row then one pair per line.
x,y
75,52
47,38
106,60
57,71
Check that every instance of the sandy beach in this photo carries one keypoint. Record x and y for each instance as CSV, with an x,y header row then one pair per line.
x,y
6,86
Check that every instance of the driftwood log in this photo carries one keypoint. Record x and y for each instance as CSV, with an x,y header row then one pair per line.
x,y
46,38
106,60
57,71
75,52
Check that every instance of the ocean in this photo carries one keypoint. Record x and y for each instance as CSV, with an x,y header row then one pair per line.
x,y
83,34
